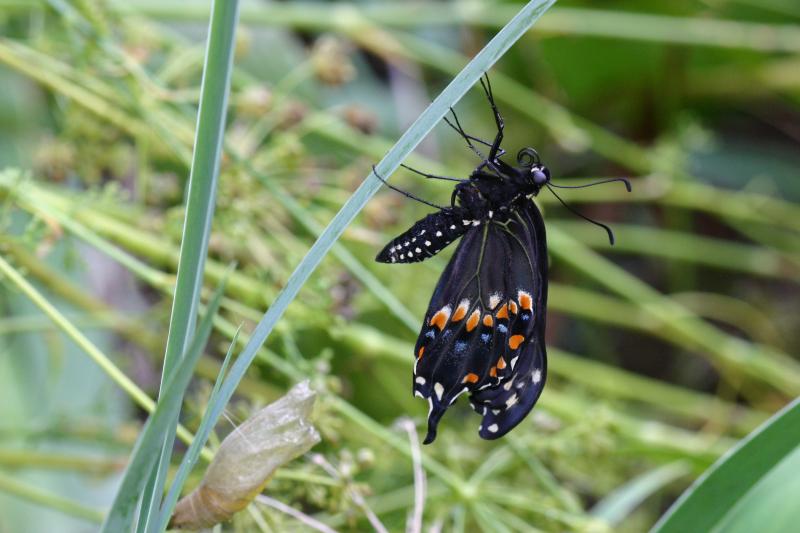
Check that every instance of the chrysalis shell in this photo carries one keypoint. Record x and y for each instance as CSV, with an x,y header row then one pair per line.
x,y
247,458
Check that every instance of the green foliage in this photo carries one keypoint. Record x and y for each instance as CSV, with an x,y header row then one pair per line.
x,y
752,487
145,453
665,349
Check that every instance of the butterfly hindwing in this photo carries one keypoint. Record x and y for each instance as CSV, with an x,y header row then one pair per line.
x,y
484,329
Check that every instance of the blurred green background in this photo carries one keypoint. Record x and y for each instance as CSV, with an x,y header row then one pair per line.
x,y
664,350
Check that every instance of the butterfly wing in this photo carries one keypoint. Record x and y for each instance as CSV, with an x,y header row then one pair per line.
x,y
427,237
484,329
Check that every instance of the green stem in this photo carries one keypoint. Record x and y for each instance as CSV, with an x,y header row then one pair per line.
x,y
11,485
342,16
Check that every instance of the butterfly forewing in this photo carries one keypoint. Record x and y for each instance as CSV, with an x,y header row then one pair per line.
x,y
484,329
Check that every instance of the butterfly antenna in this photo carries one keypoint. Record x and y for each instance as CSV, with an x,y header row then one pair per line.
x,y
405,193
610,180
596,223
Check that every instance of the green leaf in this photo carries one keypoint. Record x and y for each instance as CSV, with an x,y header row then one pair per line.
x,y
772,505
621,502
146,451
200,200
734,490
468,77
193,453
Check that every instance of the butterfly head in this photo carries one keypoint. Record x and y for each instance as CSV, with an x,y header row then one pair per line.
x,y
536,175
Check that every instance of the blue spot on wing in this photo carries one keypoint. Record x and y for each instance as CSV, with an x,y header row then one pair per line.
x,y
485,337
460,346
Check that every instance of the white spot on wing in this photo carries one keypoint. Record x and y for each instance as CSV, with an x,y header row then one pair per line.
x,y
417,249
494,299
493,428
427,243
438,388
420,380
438,233
511,401
507,386
514,362
476,222
536,377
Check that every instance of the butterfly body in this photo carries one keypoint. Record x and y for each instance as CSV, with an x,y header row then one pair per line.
x,y
483,332
480,199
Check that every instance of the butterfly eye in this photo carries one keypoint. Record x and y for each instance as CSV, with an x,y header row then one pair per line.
x,y
539,177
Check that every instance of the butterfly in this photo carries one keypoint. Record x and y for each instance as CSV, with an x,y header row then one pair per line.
x,y
483,332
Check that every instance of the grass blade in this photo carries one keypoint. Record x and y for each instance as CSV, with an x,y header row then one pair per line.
x,y
11,485
622,501
146,452
193,453
706,504
407,142
200,200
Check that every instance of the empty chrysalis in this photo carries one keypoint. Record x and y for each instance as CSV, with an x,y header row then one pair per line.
x,y
248,457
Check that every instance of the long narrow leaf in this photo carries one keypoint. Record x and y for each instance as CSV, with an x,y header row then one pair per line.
x,y
146,450
489,55
201,194
621,502
706,504
193,453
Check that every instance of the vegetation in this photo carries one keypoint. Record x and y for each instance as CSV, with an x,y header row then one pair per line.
x,y
666,350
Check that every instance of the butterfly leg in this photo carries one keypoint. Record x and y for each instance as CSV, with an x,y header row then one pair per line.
x,y
469,138
498,119
404,193
430,176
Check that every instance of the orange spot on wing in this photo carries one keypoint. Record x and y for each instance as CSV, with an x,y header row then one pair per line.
x,y
470,378
501,363
503,312
525,300
472,323
488,321
512,306
420,352
493,371
439,319
515,341
461,311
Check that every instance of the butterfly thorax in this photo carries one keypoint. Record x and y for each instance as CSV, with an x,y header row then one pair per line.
x,y
486,196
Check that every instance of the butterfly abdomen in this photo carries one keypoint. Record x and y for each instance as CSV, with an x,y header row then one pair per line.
x,y
428,236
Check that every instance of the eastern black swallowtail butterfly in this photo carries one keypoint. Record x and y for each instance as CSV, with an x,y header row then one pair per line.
x,y
484,329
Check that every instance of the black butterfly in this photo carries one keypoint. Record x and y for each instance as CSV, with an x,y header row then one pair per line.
x,y
484,328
